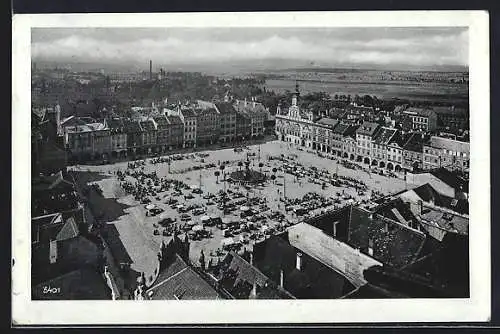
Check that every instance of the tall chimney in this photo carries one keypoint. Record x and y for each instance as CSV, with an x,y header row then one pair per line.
x,y
150,70
298,264
281,279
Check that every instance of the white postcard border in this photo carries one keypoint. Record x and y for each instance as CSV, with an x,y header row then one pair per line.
x,y
476,308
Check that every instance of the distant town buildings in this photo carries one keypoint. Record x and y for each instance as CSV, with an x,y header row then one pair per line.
x,y
411,147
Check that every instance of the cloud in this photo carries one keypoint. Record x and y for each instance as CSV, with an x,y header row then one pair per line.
x,y
333,46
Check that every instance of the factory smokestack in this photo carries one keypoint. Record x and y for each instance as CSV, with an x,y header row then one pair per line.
x,y
150,70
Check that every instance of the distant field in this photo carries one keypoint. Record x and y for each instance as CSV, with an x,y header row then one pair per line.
x,y
437,92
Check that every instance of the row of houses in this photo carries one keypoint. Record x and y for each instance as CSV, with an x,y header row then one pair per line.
x,y
160,129
372,143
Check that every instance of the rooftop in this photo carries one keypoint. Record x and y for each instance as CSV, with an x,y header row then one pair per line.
x,y
367,128
419,112
314,280
176,120
414,142
180,281
384,135
330,122
226,108
450,178
444,220
449,144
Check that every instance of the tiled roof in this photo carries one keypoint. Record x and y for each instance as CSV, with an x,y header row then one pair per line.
x,y
174,120
449,144
68,231
188,112
330,122
132,126
82,284
428,194
341,128
161,122
367,128
115,123
414,142
314,280
90,127
419,111
445,220
181,281
451,178
384,135
397,247
225,108
148,125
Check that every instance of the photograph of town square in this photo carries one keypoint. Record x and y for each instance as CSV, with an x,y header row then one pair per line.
x,y
249,163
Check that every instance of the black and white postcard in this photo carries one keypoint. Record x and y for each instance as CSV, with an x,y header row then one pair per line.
x,y
315,167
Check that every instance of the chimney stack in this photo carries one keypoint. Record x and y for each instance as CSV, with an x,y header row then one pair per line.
x,y
298,264
281,279
150,70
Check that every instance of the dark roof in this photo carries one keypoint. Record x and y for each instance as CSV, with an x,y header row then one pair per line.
x,y
428,194
367,128
396,210
161,122
384,135
394,243
226,108
132,126
419,111
174,120
147,125
330,122
238,277
54,181
81,284
188,112
414,142
181,281
115,123
341,128
451,178
313,280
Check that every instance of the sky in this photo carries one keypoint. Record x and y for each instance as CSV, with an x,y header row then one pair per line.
x,y
170,47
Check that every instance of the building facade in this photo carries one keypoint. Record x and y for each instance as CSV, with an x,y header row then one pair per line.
x,y
420,119
444,152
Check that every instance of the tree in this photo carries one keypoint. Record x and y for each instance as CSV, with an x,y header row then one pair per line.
x,y
274,170
217,173
273,177
260,166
